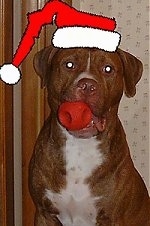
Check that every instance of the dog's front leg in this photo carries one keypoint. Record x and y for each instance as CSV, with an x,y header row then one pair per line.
x,y
44,220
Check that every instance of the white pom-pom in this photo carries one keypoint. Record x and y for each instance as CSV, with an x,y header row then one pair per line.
x,y
10,74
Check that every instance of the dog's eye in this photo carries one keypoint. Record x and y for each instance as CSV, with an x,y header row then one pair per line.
x,y
70,65
108,69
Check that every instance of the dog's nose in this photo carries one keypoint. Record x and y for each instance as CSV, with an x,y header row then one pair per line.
x,y
87,86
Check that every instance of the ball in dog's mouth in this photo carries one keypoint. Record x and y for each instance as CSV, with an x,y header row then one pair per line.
x,y
79,120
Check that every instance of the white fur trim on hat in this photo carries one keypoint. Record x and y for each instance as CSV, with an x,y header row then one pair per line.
x,y
69,37
10,74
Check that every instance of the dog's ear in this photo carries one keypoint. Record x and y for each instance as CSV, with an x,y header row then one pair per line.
x,y
132,70
42,60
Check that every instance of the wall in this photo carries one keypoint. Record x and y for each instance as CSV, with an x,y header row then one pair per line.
x,y
132,18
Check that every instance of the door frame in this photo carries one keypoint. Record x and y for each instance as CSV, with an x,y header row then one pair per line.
x,y
6,119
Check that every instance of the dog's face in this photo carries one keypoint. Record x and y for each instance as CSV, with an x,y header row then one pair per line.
x,y
93,76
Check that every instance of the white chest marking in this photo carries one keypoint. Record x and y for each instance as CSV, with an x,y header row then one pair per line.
x,y
75,203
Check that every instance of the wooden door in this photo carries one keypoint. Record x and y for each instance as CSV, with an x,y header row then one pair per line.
x,y
6,119
34,106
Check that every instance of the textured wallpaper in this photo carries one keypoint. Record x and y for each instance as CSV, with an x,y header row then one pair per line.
x,y
133,23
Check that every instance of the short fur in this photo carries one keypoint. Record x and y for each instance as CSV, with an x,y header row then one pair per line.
x,y
121,197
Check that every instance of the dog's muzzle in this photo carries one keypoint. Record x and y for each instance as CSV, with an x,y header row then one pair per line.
x,y
79,120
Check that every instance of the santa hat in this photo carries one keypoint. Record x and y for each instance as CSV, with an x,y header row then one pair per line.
x,y
74,29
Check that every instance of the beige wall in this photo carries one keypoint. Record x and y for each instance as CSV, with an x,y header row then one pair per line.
x,y
132,18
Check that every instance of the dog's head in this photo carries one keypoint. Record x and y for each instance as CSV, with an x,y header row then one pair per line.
x,y
93,76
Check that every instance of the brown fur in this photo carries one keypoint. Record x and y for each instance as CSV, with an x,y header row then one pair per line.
x,y
125,199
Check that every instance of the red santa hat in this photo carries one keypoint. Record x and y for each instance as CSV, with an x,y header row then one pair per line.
x,y
74,29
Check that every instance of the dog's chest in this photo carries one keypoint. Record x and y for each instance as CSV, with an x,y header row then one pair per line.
x,y
75,203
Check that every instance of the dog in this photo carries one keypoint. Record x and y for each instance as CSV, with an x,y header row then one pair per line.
x,y
86,177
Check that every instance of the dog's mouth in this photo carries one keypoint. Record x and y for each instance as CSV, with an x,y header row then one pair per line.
x,y
96,126
79,120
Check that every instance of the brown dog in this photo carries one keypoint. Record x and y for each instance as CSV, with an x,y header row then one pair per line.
x,y
87,177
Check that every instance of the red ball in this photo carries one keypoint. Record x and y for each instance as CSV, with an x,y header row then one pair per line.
x,y
74,115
